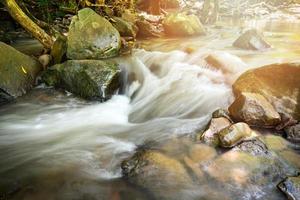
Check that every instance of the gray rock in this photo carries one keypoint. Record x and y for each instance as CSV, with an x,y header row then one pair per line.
x,y
89,79
92,37
251,40
291,187
293,133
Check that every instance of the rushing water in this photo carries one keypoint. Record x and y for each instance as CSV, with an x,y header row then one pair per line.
x,y
56,146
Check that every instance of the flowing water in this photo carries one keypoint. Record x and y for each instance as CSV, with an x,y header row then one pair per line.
x,y
56,146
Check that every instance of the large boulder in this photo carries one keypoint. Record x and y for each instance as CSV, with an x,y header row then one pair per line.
x,y
251,40
255,110
17,73
160,174
278,83
89,79
181,24
92,37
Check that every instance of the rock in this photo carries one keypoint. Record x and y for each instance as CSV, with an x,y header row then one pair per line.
x,y
92,37
255,147
278,83
251,40
221,113
275,143
248,176
210,136
89,79
168,4
234,134
125,28
163,176
147,29
180,24
293,133
201,153
59,50
45,60
255,110
17,73
290,187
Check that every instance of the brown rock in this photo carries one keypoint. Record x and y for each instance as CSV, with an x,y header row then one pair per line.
x,y
234,134
255,110
278,83
210,136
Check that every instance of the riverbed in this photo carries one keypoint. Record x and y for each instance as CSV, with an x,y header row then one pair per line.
x,y
54,145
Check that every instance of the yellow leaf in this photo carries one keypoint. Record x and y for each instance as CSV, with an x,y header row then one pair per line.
x,y
23,69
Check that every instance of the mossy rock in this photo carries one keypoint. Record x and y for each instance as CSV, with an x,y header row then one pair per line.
x,y
89,79
17,73
92,37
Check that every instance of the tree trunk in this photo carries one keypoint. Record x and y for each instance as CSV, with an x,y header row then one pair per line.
x,y
17,13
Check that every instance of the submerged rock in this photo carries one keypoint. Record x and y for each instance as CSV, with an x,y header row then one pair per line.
x,y
291,187
17,73
251,40
278,83
89,79
255,110
163,176
234,134
180,24
92,37
293,133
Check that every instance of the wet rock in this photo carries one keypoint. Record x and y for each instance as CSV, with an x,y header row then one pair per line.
x,y
275,143
221,113
290,157
234,134
89,79
291,187
278,83
125,28
17,73
255,110
251,40
201,153
180,24
248,174
293,133
92,37
210,136
163,176
59,50
254,147
147,29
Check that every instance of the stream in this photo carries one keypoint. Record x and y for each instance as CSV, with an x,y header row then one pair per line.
x,y
56,146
